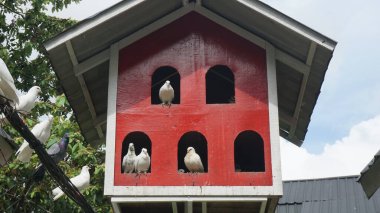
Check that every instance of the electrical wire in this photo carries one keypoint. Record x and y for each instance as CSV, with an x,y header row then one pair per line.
x,y
63,181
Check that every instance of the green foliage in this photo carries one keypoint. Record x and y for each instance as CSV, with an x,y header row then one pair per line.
x,y
24,27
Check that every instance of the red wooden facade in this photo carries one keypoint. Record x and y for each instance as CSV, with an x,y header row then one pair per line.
x,y
192,45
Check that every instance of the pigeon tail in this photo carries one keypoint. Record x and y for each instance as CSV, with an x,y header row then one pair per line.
x,y
57,193
24,154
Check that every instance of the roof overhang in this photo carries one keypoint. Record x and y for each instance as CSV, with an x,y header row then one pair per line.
x,y
80,55
370,176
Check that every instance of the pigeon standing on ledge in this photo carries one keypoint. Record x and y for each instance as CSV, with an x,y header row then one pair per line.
x,y
129,159
142,161
166,94
192,161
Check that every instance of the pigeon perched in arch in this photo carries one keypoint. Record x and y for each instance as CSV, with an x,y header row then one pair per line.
x,y
192,161
166,94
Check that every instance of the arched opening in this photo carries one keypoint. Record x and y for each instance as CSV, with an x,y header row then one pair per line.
x,y
249,152
140,140
159,77
198,142
220,85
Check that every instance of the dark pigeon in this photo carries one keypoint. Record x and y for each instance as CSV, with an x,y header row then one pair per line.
x,y
57,152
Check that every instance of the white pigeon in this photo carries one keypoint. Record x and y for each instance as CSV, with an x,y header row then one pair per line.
x,y
166,94
28,101
7,84
129,159
42,133
192,161
81,181
142,161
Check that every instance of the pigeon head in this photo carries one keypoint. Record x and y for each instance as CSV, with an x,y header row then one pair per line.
x,y
65,138
131,147
85,168
35,90
145,151
50,118
190,149
167,83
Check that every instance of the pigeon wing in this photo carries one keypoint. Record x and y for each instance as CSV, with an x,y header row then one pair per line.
x,y
7,83
54,149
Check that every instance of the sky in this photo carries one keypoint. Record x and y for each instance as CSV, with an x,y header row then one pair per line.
x,y
344,132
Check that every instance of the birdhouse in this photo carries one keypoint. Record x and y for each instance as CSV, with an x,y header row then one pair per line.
x,y
242,74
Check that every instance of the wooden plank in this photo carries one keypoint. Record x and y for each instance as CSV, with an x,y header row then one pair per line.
x,y
92,62
111,120
174,207
231,26
292,62
204,207
83,86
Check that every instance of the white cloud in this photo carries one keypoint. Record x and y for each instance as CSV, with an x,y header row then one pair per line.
x,y
347,156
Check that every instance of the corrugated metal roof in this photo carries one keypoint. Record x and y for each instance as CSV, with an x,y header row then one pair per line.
x,y
300,47
370,176
333,195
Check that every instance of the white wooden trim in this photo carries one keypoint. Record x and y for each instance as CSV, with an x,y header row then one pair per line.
x,y
273,119
301,94
189,207
100,119
311,53
116,208
83,86
92,62
231,26
71,52
297,110
183,11
174,207
320,40
292,62
287,118
111,120
232,191
156,25
90,24
89,102
144,199
263,206
204,207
